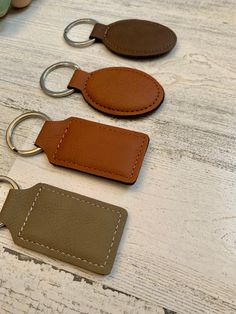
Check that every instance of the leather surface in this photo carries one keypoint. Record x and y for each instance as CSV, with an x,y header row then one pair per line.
x,y
94,148
65,225
119,91
135,38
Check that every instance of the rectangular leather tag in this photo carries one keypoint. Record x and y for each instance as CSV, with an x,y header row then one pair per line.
x,y
65,225
95,148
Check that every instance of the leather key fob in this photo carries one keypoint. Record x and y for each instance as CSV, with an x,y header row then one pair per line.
x,y
94,148
135,38
65,225
119,91
87,146
130,38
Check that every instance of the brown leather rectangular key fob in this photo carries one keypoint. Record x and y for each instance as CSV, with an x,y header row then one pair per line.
x,y
64,225
94,148
91,147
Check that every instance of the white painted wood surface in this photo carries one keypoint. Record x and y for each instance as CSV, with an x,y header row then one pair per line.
x,y
178,253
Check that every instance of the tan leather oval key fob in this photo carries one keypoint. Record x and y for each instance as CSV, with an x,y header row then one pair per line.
x,y
91,147
67,226
118,91
130,38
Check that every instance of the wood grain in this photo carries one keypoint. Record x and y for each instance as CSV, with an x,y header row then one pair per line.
x,y
178,252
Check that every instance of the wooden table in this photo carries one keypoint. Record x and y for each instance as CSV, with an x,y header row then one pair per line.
x,y
178,252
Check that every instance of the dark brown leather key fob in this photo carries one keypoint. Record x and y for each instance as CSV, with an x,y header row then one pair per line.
x,y
130,38
118,91
95,148
64,225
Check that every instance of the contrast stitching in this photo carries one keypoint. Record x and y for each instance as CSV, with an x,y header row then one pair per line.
x,y
57,250
161,49
99,169
85,90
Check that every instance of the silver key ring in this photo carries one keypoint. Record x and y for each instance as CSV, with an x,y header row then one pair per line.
x,y
62,64
13,184
14,123
80,44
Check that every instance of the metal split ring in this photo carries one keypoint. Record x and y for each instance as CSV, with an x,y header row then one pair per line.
x,y
14,123
80,44
51,68
13,184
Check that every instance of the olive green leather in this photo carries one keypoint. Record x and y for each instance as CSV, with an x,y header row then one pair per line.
x,y
65,225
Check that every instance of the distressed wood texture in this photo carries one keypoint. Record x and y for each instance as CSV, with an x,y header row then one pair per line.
x,y
178,252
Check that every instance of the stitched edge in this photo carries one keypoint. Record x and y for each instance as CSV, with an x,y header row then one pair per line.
x,y
161,49
61,140
99,169
57,250
85,90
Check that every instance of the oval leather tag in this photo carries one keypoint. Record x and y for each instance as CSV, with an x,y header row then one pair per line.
x,y
135,38
119,91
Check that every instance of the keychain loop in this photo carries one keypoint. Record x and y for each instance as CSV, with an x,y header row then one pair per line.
x,y
80,44
13,184
14,123
51,68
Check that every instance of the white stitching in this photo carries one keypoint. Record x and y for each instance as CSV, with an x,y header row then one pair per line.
x,y
57,250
